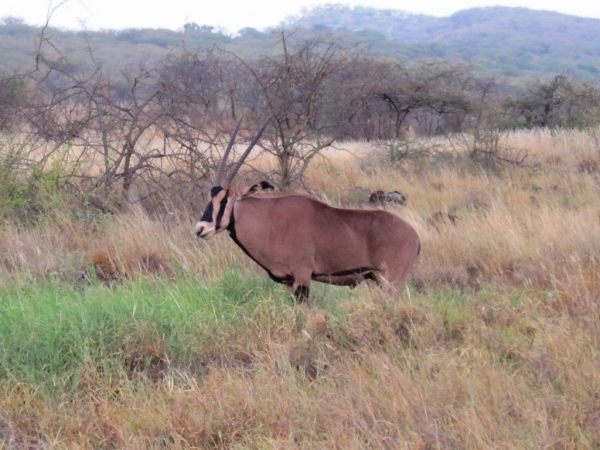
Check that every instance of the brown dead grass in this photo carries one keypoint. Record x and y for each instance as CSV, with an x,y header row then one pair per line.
x,y
390,375
529,226
496,346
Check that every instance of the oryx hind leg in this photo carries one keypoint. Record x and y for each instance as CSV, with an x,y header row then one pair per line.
x,y
396,277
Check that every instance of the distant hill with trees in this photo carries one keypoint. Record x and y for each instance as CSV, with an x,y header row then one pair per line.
x,y
511,42
515,42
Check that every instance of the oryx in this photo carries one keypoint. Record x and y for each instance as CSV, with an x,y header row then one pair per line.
x,y
297,238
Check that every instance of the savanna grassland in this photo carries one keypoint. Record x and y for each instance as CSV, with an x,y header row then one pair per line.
x,y
125,331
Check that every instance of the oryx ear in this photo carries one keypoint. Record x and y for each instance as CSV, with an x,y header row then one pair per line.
x,y
262,186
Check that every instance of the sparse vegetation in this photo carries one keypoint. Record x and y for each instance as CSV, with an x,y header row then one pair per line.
x,y
494,343
119,329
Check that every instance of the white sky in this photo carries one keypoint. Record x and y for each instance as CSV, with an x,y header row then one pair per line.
x,y
233,15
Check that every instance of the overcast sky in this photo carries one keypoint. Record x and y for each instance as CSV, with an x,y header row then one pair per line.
x,y
232,15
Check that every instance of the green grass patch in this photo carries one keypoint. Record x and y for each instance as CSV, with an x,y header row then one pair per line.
x,y
50,333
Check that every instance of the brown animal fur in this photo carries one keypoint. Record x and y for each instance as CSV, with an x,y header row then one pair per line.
x,y
297,238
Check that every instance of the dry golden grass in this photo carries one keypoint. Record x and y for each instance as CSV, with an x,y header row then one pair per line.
x,y
389,376
496,345
529,226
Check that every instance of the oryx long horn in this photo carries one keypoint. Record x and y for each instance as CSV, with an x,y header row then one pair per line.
x,y
223,162
239,163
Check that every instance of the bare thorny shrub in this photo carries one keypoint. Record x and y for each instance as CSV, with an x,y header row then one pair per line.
x,y
311,91
151,134
145,137
485,140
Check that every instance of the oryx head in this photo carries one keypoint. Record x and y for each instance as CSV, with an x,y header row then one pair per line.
x,y
217,214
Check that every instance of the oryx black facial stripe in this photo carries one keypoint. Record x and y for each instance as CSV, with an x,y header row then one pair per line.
x,y
208,213
220,214
216,207
215,214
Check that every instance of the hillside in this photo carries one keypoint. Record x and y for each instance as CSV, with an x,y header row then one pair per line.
x,y
516,43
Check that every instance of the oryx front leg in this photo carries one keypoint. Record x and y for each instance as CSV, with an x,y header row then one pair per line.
x,y
300,288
